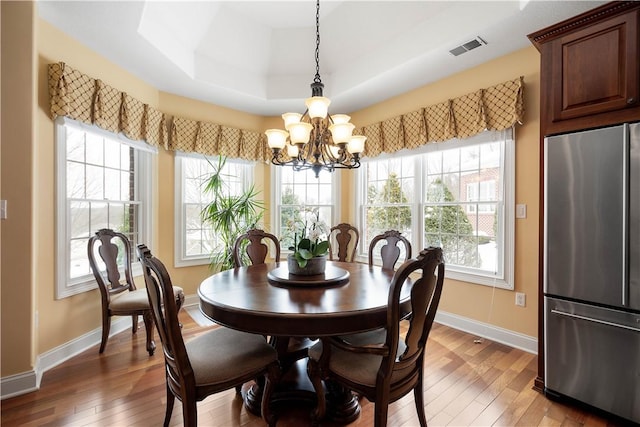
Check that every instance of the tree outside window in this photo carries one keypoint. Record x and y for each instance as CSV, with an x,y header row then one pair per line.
x,y
389,208
447,225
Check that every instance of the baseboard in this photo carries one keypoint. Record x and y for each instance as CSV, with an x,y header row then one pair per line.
x,y
512,339
15,385
190,300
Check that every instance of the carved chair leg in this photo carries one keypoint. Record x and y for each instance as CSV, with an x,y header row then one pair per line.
x,y
148,325
381,412
315,376
189,412
106,327
134,323
418,397
170,401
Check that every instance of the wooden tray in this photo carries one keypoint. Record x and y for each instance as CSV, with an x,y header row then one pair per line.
x,y
332,276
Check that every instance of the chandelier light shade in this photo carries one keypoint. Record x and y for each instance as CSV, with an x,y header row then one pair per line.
x,y
316,140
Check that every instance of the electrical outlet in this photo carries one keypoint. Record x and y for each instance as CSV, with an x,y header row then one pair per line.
x,y
520,299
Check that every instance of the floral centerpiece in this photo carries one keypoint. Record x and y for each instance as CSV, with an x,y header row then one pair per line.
x,y
310,244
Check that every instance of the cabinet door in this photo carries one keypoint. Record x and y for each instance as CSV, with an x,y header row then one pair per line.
x,y
595,69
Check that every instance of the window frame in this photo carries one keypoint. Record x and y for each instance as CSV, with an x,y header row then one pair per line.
x,y
276,195
180,257
65,286
506,209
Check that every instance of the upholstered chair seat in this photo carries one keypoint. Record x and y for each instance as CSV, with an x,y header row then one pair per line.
x,y
223,354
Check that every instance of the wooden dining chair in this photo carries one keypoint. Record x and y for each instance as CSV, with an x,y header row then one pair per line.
x,y
119,295
347,237
386,371
217,360
390,251
249,247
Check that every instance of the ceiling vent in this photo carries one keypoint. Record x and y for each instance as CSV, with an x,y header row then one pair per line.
x,y
466,47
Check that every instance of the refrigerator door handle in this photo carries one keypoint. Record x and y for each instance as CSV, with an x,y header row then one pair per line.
x,y
625,214
591,319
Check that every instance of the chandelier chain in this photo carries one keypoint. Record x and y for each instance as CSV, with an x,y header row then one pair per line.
x,y
317,77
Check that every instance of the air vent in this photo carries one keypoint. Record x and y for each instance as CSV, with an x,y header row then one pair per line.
x,y
466,47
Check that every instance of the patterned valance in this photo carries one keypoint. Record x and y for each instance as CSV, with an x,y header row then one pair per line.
x,y
214,139
496,108
89,100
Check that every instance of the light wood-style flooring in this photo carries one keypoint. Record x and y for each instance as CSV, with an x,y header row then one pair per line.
x,y
466,383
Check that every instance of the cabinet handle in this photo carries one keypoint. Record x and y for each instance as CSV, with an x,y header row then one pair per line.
x,y
631,100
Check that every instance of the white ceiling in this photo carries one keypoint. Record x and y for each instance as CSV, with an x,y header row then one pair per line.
x,y
259,56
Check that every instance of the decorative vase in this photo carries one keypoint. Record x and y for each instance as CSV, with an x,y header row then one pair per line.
x,y
315,266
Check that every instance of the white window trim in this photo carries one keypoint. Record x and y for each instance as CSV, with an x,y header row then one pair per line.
x,y
276,193
181,260
145,177
506,209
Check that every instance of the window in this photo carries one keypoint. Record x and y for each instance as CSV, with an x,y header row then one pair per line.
x,y
455,194
103,181
484,191
298,191
390,191
194,239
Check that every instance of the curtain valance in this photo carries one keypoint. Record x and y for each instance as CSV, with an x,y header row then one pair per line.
x,y
91,101
214,139
496,108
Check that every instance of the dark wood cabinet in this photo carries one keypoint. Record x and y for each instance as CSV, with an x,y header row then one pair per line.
x,y
589,78
590,71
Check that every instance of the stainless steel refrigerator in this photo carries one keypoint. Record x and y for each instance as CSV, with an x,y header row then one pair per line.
x,y
592,268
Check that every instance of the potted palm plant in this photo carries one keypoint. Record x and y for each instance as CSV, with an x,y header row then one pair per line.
x,y
230,215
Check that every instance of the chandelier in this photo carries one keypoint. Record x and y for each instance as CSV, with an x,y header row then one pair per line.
x,y
316,140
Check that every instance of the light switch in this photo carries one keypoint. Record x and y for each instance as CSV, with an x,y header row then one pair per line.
x,y
521,211
3,209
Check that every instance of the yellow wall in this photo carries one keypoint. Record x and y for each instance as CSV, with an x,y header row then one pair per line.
x,y
28,165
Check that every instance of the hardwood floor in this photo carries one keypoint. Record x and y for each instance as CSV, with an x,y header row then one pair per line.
x,y
466,383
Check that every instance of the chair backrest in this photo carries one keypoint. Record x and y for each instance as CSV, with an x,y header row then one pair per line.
x,y
251,244
347,237
390,252
425,297
114,249
180,376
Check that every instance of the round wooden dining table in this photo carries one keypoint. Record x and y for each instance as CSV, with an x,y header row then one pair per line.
x,y
266,299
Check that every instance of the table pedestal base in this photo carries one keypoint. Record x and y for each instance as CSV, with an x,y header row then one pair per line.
x,y
295,388
343,406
